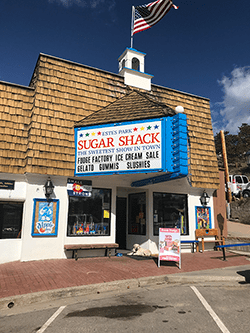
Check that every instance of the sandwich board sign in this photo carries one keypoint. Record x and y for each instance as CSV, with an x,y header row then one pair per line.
x,y
169,245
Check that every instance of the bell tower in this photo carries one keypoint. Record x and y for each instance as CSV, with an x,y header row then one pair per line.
x,y
131,67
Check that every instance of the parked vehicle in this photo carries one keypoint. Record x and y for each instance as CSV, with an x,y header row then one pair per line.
x,y
237,184
246,191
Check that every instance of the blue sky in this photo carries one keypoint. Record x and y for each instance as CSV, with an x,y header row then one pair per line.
x,y
202,48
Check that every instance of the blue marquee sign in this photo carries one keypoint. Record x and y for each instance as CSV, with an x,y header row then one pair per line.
x,y
151,145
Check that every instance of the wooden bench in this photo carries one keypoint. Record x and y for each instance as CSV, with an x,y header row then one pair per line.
x,y
206,233
76,247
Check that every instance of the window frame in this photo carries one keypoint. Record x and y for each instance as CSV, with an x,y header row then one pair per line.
x,y
90,226
19,225
164,224
135,64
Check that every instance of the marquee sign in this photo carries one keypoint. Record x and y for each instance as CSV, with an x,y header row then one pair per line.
x,y
129,147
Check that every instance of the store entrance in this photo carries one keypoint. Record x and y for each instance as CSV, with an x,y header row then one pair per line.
x,y
121,219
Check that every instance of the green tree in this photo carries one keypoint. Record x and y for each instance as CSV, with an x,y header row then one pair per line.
x,y
244,138
236,144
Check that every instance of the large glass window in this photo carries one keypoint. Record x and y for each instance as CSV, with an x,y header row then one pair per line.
x,y
90,216
137,214
10,219
170,211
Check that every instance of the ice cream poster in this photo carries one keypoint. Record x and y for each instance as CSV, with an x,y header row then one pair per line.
x,y
45,217
169,245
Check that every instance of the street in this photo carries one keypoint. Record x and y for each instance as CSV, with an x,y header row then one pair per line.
x,y
210,307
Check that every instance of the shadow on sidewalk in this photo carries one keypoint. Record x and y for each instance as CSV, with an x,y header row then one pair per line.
x,y
155,259
246,275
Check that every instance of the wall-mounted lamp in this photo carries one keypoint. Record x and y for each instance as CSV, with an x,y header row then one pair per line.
x,y
48,188
204,199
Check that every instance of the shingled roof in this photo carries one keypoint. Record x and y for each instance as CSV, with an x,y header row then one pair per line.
x,y
37,122
133,106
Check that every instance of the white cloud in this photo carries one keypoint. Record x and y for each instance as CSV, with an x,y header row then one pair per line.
x,y
84,3
235,107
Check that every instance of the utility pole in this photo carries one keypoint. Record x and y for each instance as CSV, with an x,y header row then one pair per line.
x,y
224,154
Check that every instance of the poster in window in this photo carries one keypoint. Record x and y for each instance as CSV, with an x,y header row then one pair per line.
x,y
45,217
79,188
203,218
106,214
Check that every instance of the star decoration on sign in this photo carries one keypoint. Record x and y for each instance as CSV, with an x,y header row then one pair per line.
x,y
135,129
149,128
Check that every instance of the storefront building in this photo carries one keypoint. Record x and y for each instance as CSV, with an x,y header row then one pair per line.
x,y
121,160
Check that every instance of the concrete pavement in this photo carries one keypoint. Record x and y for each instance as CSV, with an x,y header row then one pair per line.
x,y
39,281
239,230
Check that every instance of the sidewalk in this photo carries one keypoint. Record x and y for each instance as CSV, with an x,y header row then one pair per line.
x,y
37,281
238,230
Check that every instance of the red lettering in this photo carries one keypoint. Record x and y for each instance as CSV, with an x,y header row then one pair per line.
x,y
121,141
154,137
94,143
144,138
129,140
80,146
110,142
139,140
102,144
85,144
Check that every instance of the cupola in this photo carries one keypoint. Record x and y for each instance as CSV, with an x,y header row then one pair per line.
x,y
131,67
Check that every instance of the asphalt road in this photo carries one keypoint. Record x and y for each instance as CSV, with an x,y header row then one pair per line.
x,y
208,308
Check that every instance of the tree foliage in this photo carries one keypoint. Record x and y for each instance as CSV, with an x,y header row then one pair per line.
x,y
237,145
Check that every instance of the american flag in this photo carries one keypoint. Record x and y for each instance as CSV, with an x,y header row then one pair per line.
x,y
148,15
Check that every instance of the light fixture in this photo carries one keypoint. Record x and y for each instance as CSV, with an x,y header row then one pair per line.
x,y
204,199
179,109
48,188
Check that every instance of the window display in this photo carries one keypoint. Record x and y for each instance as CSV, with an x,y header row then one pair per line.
x,y
90,216
10,219
137,214
170,211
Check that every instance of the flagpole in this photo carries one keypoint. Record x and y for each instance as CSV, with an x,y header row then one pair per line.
x,y
132,25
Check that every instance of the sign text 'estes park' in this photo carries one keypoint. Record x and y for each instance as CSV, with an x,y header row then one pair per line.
x,y
123,148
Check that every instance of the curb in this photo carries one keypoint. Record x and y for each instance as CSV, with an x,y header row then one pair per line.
x,y
172,279
56,294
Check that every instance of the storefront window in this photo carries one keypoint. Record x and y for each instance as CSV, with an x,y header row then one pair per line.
x,y
170,211
137,214
90,216
10,219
